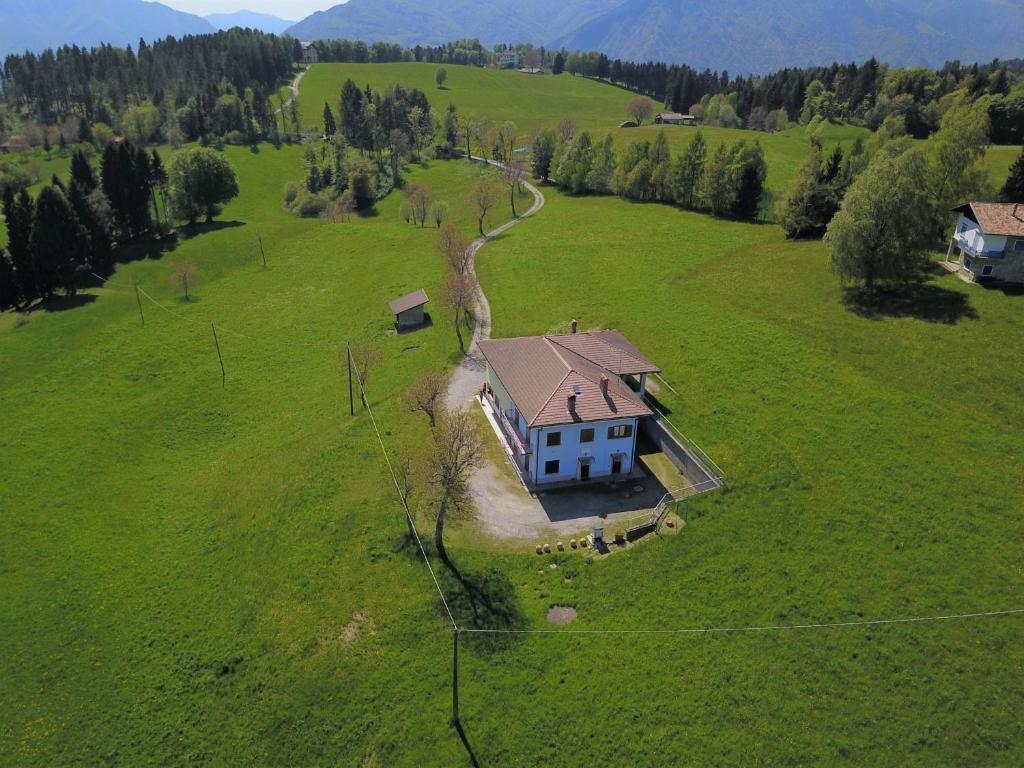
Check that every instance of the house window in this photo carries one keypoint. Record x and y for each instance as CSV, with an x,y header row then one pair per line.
x,y
986,270
620,431
551,467
1019,246
554,438
967,263
586,435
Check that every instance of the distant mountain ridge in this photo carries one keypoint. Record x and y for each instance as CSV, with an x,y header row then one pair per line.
x,y
264,22
742,36
38,24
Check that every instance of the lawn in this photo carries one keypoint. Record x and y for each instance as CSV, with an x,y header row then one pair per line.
x,y
220,576
198,574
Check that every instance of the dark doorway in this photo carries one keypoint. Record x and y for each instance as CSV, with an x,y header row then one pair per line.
x,y
616,466
584,471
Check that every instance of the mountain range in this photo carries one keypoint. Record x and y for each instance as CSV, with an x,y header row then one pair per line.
x,y
743,36
262,21
34,25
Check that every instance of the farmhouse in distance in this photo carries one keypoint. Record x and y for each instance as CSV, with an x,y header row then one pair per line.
x,y
988,243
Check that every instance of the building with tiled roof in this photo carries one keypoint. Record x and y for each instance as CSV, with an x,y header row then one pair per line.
x,y
988,243
568,405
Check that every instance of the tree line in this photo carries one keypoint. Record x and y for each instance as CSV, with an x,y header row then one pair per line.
x,y
726,182
70,232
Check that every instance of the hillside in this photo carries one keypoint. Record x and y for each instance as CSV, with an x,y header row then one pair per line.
x,y
38,24
741,36
262,21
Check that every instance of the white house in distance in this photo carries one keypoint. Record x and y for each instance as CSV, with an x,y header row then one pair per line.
x,y
568,406
988,243
310,55
509,60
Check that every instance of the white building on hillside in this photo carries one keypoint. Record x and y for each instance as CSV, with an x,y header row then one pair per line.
x,y
988,243
568,406
509,60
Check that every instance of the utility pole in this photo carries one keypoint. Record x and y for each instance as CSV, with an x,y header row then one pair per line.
x,y
351,400
223,376
455,677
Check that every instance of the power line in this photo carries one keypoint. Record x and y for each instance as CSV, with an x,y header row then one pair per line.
x,y
764,628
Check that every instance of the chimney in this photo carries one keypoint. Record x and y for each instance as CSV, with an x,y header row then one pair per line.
x,y
604,385
574,325
1016,215
571,402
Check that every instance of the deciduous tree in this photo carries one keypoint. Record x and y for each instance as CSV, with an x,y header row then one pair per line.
x,y
425,394
640,108
458,295
483,198
456,451
201,181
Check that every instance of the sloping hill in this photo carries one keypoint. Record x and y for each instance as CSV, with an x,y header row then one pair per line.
x,y
38,24
742,36
264,22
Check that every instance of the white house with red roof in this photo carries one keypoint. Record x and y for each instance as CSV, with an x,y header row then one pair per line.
x,y
569,405
988,243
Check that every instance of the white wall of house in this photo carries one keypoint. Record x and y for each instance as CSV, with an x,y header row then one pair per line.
x,y
571,448
969,235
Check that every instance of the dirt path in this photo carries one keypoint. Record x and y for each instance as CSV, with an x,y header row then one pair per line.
x,y
466,381
294,88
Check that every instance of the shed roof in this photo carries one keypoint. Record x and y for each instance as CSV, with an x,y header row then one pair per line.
x,y
671,115
409,301
996,218
540,374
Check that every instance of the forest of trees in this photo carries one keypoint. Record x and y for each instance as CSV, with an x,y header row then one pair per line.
x,y
69,233
385,129
173,90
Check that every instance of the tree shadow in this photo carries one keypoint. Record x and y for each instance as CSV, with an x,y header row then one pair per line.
x,y
205,227
368,213
922,301
64,303
484,599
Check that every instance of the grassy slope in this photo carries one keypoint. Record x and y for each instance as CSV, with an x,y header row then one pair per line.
x,y
855,449
183,564
180,561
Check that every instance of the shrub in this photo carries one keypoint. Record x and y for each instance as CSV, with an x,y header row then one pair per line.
x,y
311,206
235,138
291,191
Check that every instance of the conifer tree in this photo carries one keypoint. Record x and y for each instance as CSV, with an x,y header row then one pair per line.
x,y
330,127
8,283
18,212
1013,189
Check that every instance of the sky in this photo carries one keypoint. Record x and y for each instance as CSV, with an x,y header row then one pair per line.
x,y
295,10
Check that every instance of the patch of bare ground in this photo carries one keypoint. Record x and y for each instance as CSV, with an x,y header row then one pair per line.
x,y
361,625
561,614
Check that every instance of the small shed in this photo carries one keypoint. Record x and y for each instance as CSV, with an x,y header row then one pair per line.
x,y
15,144
408,310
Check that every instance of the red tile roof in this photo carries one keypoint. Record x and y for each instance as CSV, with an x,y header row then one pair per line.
x,y
410,300
1006,219
541,372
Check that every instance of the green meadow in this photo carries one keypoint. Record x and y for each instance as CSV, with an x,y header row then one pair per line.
x,y
220,575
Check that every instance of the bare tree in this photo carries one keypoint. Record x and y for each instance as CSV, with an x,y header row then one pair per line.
x,y
454,247
404,478
456,451
419,198
640,108
512,174
184,277
439,213
567,129
483,135
458,295
365,357
532,58
483,198
424,394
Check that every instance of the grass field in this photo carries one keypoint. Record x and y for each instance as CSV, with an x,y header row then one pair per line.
x,y
220,576
181,561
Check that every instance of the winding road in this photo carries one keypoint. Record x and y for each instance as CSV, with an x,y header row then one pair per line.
x,y
465,382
